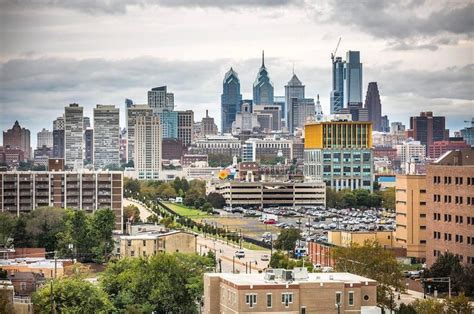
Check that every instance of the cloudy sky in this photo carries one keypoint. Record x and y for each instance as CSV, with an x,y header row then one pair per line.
x,y
55,52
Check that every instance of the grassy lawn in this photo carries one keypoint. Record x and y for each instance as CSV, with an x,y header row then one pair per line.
x,y
186,211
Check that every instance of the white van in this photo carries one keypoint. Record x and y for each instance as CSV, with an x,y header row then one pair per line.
x,y
240,253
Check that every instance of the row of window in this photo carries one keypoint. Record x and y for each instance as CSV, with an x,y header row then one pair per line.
x,y
457,180
457,199
457,219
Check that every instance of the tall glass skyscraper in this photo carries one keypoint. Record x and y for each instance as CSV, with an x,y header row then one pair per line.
x,y
230,100
352,79
263,87
337,93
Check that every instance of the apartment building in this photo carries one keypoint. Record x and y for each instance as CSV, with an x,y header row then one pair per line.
x,y
217,144
411,213
450,200
288,291
265,194
22,192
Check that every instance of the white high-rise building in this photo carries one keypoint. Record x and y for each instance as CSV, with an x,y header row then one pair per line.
x,y
160,100
44,138
148,147
106,136
58,124
411,151
73,137
132,113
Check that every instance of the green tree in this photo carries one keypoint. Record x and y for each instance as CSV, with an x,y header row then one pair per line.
x,y
102,226
459,305
287,239
165,283
428,306
388,198
447,265
333,198
43,224
362,197
131,187
216,200
373,261
7,227
406,309
348,199
72,295
219,160
131,212
20,236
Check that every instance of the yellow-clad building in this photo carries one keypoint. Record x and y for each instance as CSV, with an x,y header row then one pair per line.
x,y
346,238
339,153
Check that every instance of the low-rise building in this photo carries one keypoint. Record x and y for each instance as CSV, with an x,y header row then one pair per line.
x,y
346,238
265,194
288,291
148,244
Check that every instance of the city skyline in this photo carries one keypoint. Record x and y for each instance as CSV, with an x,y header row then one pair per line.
x,y
426,67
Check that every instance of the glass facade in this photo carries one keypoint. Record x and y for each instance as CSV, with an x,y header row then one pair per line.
x,y
231,99
263,87
337,93
352,78
169,123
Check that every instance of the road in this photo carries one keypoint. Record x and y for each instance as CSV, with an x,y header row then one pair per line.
x,y
145,212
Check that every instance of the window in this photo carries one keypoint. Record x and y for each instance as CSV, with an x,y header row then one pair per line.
x,y
303,310
351,298
129,242
251,299
144,242
366,297
132,253
338,297
269,300
287,298
22,285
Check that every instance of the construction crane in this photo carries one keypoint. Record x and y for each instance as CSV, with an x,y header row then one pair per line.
x,y
335,50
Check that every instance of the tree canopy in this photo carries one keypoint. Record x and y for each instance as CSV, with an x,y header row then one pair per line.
x,y
360,198
287,239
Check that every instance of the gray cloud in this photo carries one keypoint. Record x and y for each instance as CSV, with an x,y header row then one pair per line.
x,y
121,6
403,24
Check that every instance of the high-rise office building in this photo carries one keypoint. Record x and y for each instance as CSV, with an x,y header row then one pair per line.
x,y
450,199
397,128
385,124
169,124
372,103
159,100
230,100
339,153
263,87
337,93
352,79
58,124
148,152
411,212
357,112
18,138
280,102
44,138
208,127
427,128
86,122
73,136
468,133
58,143
106,136
245,120
293,90
186,127
270,113
89,146
132,114
301,111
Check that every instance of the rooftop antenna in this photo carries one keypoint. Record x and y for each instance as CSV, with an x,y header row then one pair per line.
x,y
263,58
293,67
335,50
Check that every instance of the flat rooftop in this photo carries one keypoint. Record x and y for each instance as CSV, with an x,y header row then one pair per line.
x,y
259,279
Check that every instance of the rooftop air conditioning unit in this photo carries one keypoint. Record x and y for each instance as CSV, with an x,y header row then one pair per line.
x,y
287,275
300,273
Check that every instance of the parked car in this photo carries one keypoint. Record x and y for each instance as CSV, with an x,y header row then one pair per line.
x,y
240,253
265,258
270,221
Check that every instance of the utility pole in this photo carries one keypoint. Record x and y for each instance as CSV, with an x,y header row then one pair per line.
x,y
51,299
55,264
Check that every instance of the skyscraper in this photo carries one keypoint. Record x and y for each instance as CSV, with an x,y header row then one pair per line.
x,y
44,138
159,100
427,128
293,90
352,79
106,136
337,93
186,126
302,110
132,113
18,138
58,124
148,147
58,143
73,136
263,87
372,103
230,100
89,146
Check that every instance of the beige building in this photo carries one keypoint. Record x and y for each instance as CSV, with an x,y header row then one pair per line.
x,y
288,291
151,243
345,238
410,196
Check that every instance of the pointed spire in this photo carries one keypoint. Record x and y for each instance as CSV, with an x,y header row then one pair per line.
x,y
318,97
293,67
263,58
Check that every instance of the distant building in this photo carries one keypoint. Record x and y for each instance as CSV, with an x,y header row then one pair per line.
x,y
347,238
11,156
385,124
268,116
172,148
337,93
208,126
169,124
58,124
352,79
468,133
263,86
152,243
281,103
427,128
88,146
147,157
188,159
438,148
74,137
411,151
217,144
339,153
132,113
18,138
302,111
186,127
258,150
289,291
42,155
450,199
397,127
230,100
23,192
373,105
159,100
106,136
44,138
58,143
245,120
357,112
411,209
